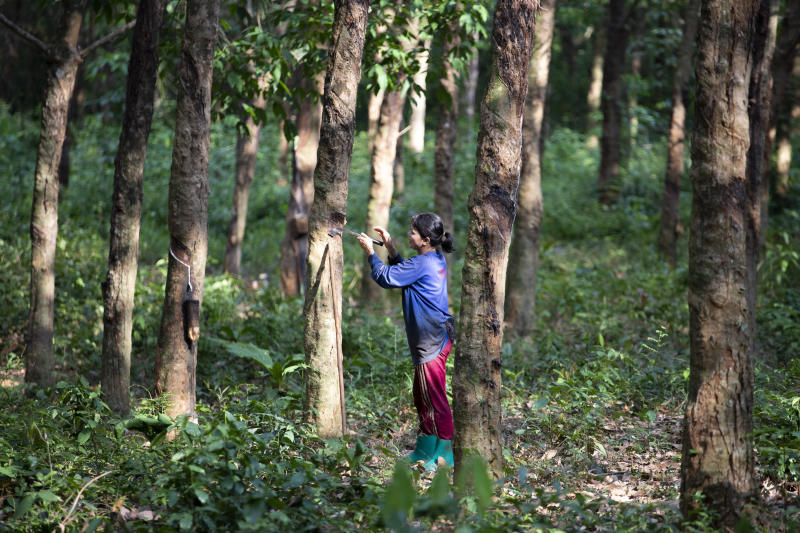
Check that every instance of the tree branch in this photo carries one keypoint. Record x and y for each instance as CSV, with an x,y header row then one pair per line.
x,y
30,38
108,38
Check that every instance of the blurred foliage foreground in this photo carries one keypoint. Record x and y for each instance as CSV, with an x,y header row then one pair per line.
x,y
592,400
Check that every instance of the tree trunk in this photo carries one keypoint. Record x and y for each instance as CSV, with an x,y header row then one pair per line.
x,y
399,170
446,133
246,153
126,209
325,406
39,357
668,233
374,102
523,261
471,85
717,456
611,102
416,130
283,155
781,112
636,73
570,50
476,381
294,247
595,87
766,28
381,187
176,356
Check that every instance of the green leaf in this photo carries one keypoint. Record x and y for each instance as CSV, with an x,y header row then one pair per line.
x,y
250,351
481,482
47,496
83,436
24,506
185,521
399,498
381,77
9,471
202,496
94,523
540,404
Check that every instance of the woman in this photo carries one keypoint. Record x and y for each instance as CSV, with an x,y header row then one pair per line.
x,y
429,326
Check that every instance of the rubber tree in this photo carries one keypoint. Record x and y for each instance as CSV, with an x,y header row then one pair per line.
x,y
63,58
176,352
617,31
717,457
766,29
492,207
670,198
324,401
523,262
418,98
245,171
668,229
595,92
779,132
382,162
294,247
444,154
126,206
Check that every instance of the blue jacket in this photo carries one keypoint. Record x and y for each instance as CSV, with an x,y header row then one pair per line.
x,y
423,279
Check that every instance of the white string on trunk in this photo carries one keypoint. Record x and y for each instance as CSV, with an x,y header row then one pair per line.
x,y
189,267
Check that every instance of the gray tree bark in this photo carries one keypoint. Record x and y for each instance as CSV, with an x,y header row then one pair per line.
x,y
766,28
523,261
668,232
717,456
469,94
246,154
126,206
63,66
595,92
444,153
324,402
294,247
416,130
611,102
176,357
381,187
477,378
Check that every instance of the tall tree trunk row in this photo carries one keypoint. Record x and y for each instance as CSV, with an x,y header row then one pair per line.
x,y
523,261
477,379
39,356
126,206
323,302
176,356
668,230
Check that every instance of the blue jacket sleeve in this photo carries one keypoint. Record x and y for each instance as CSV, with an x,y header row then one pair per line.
x,y
400,274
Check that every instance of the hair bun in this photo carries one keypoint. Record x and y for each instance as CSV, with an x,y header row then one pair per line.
x,y
447,242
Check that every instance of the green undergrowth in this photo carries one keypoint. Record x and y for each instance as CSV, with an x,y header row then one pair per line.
x,y
592,399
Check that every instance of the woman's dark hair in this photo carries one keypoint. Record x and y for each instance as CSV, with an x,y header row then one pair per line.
x,y
430,225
